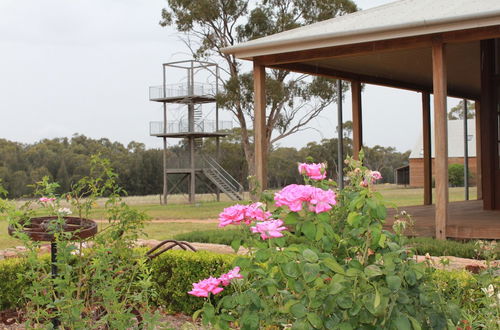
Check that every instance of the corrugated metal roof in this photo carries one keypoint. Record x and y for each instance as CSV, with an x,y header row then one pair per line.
x,y
455,140
403,18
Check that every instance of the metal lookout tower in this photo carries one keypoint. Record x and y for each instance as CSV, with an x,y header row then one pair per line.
x,y
200,87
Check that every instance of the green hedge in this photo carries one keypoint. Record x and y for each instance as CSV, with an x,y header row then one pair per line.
x,y
422,245
438,248
173,273
11,285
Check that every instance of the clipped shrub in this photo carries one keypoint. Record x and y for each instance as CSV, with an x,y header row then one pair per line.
x,y
11,285
225,237
423,245
174,272
214,236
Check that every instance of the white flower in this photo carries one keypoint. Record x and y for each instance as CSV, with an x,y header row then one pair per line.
x,y
490,291
64,211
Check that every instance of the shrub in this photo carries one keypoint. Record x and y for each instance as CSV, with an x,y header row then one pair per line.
x,y
423,245
348,274
174,272
456,175
106,285
225,237
215,236
11,285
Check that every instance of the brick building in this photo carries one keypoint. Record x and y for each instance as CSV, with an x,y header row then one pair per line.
x,y
455,152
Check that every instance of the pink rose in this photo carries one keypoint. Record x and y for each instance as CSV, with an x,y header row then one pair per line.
x,y
269,229
322,200
225,279
236,214
47,199
294,196
313,171
255,212
204,287
375,175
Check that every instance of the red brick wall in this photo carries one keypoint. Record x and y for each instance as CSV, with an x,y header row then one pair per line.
x,y
417,170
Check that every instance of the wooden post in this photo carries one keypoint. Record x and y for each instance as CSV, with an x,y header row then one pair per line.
x,y
479,177
466,152
426,124
441,136
340,137
357,119
259,75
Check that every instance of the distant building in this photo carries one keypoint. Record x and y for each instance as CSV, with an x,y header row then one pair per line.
x,y
455,152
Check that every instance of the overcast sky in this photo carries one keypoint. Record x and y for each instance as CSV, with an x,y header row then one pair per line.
x,y
84,66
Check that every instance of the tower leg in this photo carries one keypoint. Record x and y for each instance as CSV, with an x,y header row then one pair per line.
x,y
165,184
192,177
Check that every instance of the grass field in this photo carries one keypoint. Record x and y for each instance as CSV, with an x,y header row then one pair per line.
x,y
204,209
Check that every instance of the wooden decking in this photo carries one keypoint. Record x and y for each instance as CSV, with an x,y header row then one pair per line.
x,y
467,220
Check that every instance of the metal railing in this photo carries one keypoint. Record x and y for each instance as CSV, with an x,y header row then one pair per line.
x,y
182,90
212,164
182,126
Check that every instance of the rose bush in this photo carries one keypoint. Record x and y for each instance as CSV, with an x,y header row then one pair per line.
x,y
347,272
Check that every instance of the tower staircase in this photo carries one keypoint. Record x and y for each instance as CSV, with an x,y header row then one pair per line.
x,y
221,178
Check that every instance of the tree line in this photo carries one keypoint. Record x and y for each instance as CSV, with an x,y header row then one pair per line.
x,y
66,160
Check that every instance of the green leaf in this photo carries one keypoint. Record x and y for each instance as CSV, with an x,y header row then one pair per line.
x,y
263,255
345,326
372,271
336,288
376,301
235,244
291,218
414,323
298,310
291,269
315,320
354,218
393,282
300,325
402,323
311,272
208,313
381,241
352,272
310,255
320,232
344,302
381,212
288,305
309,230
250,320
333,265
410,277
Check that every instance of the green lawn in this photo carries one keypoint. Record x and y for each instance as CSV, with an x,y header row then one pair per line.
x,y
210,210
415,196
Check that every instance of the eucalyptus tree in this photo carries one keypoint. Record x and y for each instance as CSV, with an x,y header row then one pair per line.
x,y
293,100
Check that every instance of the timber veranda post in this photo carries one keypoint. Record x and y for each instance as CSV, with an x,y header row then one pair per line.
x,y
426,133
260,151
441,136
357,118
